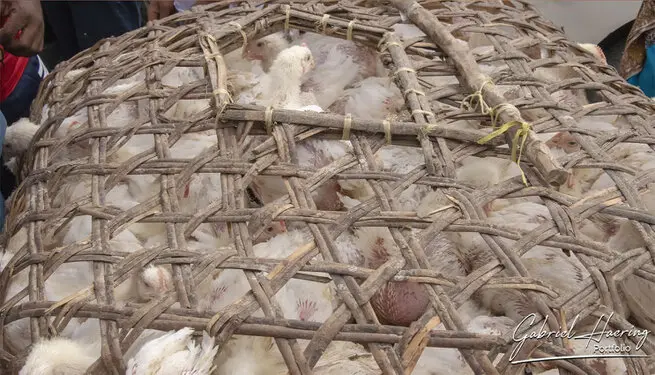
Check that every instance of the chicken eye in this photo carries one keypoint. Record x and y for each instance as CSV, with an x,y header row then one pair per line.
x,y
269,229
573,143
260,44
306,58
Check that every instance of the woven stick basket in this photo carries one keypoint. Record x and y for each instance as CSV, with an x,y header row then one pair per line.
x,y
614,283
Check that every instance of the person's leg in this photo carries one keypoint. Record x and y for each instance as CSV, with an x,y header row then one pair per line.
x,y
96,20
3,128
59,17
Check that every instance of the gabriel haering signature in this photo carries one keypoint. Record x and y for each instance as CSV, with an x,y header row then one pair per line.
x,y
599,332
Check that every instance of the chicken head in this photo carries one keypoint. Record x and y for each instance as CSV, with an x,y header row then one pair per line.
x,y
154,281
275,228
265,49
564,141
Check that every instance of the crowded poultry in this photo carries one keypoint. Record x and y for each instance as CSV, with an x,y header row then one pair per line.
x,y
305,71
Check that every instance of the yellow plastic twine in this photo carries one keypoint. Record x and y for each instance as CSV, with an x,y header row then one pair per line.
x,y
475,100
387,131
518,141
415,91
323,22
243,33
347,123
268,120
287,12
383,44
224,92
403,69
349,32
425,130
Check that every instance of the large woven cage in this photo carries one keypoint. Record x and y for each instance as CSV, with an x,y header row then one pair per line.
x,y
559,266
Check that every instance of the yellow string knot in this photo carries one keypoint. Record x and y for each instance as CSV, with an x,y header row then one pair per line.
x,y
349,31
424,131
475,100
287,15
323,23
518,141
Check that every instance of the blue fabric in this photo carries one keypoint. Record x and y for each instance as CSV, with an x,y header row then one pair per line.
x,y
78,25
645,79
3,129
17,104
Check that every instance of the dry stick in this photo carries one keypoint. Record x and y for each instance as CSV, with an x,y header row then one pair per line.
x,y
256,114
111,355
473,79
174,318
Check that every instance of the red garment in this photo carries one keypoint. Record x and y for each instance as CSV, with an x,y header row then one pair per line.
x,y
11,70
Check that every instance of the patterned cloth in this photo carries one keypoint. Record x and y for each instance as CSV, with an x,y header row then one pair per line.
x,y
638,60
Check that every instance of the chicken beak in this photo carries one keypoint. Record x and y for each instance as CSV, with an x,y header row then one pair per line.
x,y
487,208
570,181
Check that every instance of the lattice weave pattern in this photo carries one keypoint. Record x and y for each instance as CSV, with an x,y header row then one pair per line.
x,y
517,40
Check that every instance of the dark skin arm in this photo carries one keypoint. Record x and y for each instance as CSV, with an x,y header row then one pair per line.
x,y
22,32
158,9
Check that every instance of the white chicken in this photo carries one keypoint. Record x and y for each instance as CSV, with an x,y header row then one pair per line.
x,y
58,356
585,180
343,357
178,76
395,159
451,361
339,63
283,91
635,290
374,98
174,353
483,173
543,263
81,347
282,84
266,49
313,154
18,137
71,278
236,357
299,299
280,87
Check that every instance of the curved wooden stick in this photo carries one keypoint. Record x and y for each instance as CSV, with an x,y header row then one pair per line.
x,y
473,79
